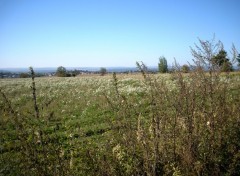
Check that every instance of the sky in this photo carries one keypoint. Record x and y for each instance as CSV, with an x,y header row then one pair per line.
x,y
111,33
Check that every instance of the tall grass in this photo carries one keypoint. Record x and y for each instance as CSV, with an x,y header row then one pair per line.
x,y
28,148
191,129
175,124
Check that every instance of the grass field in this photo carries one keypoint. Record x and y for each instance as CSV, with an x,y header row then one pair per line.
x,y
131,124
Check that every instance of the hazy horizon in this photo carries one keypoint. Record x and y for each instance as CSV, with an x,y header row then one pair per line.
x,y
78,68
111,33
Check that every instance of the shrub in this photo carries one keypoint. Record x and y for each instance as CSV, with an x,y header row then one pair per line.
x,y
192,129
185,68
103,71
61,71
24,75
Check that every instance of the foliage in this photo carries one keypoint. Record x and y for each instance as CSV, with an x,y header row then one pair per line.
x,y
27,147
61,71
222,61
162,65
103,71
185,68
238,61
75,72
24,75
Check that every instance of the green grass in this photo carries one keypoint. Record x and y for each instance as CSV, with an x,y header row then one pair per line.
x,y
83,119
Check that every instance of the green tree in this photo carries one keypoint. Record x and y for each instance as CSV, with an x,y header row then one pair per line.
x,y
222,61
61,71
238,61
162,65
75,72
103,71
185,68
24,75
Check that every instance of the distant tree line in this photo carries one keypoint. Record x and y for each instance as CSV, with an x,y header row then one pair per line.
x,y
18,75
220,60
63,72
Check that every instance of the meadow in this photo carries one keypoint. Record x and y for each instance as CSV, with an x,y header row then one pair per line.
x,y
124,124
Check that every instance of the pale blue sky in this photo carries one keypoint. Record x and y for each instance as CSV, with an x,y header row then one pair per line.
x,y
95,33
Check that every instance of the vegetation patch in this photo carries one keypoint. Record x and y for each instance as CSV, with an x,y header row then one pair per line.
x,y
181,123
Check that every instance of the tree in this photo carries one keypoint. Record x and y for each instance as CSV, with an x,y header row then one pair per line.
x,y
61,71
75,73
24,75
238,61
103,71
162,65
222,61
185,68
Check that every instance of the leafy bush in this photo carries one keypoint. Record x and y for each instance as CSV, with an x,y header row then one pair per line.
x,y
185,68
